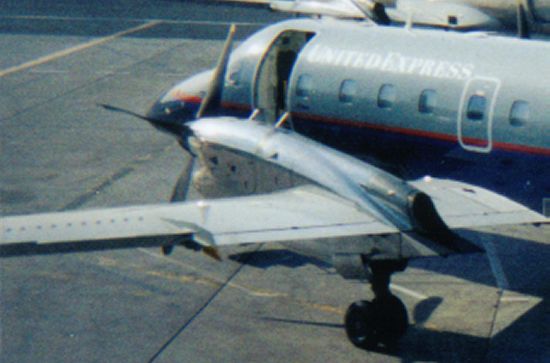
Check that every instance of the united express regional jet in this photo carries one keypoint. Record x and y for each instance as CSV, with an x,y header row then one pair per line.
x,y
407,102
469,107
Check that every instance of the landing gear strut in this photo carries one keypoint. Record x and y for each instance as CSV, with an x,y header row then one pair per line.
x,y
382,321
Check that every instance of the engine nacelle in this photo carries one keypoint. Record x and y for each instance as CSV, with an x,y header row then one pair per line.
x,y
404,204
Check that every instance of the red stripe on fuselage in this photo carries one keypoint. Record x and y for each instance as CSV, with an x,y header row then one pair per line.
x,y
522,148
426,134
361,124
236,106
180,96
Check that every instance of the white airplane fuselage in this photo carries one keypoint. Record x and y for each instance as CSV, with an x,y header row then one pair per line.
x,y
469,107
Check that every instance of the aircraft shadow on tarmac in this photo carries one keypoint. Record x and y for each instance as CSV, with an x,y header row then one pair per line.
x,y
515,254
268,258
524,261
525,264
423,343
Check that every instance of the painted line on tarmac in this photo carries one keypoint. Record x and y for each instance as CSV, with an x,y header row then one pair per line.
x,y
210,278
409,292
78,48
265,293
104,73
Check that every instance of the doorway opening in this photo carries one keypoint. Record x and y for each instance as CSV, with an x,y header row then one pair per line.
x,y
271,82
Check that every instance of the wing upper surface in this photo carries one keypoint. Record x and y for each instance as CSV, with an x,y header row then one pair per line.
x,y
464,205
299,213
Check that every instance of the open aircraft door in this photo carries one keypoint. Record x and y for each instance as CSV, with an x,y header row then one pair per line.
x,y
476,114
273,74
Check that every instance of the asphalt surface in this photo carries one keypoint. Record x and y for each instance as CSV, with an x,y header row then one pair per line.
x,y
59,151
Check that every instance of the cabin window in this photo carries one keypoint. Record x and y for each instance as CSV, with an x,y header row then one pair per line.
x,y
452,20
387,96
519,113
304,86
348,90
427,101
476,107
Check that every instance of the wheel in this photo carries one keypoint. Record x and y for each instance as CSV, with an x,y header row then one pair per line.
x,y
391,319
359,324
382,321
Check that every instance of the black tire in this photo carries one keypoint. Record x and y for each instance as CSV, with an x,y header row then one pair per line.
x,y
382,321
359,324
391,319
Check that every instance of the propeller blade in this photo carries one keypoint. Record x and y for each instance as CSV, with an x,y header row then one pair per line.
x,y
213,96
170,127
127,112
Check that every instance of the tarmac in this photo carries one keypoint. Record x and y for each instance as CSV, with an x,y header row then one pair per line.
x,y
60,151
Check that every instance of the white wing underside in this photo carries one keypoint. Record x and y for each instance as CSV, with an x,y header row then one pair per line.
x,y
300,213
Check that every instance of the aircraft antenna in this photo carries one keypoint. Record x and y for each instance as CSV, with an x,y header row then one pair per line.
x,y
282,120
255,114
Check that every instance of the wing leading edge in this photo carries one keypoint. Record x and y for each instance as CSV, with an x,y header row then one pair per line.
x,y
297,214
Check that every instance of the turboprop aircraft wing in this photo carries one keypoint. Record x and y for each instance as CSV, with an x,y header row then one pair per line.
x,y
447,14
297,213
357,9
301,213
464,205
